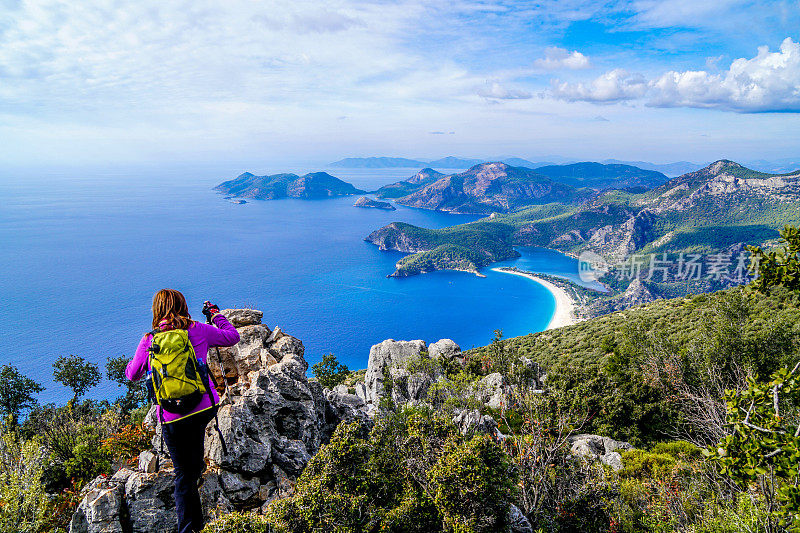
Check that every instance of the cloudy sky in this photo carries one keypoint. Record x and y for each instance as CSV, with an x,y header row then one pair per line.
x,y
117,82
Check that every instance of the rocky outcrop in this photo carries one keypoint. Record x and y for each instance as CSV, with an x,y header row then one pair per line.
x,y
389,361
492,390
384,357
472,422
617,241
374,204
517,521
243,317
636,294
273,420
599,448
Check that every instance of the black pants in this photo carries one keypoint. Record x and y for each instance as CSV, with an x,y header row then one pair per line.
x,y
185,441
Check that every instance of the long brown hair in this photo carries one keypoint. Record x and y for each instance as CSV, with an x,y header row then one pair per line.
x,y
170,305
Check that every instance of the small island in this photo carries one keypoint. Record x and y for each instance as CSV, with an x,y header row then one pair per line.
x,y
312,186
374,204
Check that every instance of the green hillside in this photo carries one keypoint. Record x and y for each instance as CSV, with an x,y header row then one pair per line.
x,y
583,360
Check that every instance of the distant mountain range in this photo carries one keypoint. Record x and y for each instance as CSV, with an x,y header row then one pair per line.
x,y
779,165
311,186
501,187
669,169
424,177
401,162
444,162
377,162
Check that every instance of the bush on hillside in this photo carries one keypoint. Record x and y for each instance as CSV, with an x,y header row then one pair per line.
x,y
778,267
413,472
330,372
237,522
24,505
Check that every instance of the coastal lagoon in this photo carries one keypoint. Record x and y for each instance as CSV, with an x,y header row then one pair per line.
x,y
84,251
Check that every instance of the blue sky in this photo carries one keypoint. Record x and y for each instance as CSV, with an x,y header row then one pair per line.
x,y
282,81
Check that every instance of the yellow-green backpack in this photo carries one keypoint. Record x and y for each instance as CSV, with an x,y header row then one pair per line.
x,y
178,381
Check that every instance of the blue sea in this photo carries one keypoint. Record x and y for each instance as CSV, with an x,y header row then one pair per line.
x,y
83,252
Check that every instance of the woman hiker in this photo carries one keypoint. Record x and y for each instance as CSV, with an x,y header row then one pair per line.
x,y
186,404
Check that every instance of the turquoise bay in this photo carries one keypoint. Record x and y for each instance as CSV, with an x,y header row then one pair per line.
x,y
83,253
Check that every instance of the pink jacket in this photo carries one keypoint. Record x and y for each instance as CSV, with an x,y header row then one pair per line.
x,y
202,336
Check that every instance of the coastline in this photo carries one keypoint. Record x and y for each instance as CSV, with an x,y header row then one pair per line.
x,y
564,314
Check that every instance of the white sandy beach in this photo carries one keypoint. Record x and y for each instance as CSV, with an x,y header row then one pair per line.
x,y
564,314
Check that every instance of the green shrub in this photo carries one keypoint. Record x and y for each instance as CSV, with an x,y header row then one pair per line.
x,y
641,464
88,459
744,513
24,506
330,372
335,487
412,473
236,522
473,485
679,449
778,267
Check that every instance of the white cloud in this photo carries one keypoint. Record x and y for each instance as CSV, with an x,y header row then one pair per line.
x,y
496,91
556,58
769,82
613,86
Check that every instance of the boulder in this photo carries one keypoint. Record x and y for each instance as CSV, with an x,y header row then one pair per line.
x,y
245,357
492,389
445,348
361,391
408,387
384,356
147,461
471,422
243,317
517,521
148,498
599,448
613,459
343,407
100,510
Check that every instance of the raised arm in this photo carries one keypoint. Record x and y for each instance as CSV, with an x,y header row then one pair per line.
x,y
222,335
